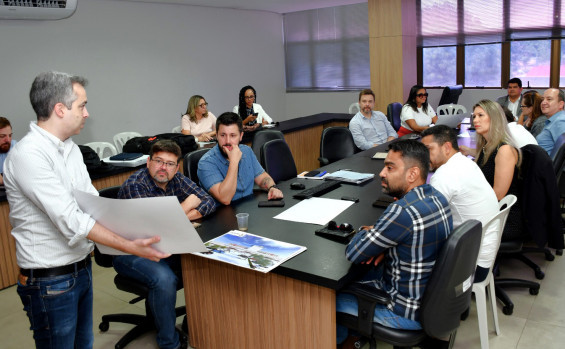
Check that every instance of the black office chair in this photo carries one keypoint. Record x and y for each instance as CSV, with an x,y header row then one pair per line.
x,y
144,323
278,160
558,158
261,137
393,111
450,94
336,143
190,164
445,297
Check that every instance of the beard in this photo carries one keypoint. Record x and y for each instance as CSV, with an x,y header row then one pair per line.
x,y
4,148
393,191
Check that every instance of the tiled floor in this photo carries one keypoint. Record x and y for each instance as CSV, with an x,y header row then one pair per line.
x,y
537,322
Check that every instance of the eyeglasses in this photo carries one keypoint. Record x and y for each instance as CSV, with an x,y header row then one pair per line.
x,y
160,163
422,95
203,105
249,97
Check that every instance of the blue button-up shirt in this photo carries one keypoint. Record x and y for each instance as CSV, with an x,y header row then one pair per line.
x,y
213,168
554,127
141,185
410,233
367,132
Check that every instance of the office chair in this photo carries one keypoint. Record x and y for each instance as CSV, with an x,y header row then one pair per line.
x,y
445,297
480,288
176,129
558,158
143,323
261,137
354,108
450,94
190,164
451,109
103,149
278,160
393,114
336,143
121,138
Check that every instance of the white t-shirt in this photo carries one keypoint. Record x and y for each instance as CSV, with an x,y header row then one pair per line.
x,y
514,107
422,118
470,196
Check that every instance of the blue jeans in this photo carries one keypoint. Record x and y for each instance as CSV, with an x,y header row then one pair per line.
x,y
347,303
59,309
161,280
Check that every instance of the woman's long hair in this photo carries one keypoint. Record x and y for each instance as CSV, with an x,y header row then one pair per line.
x,y
533,99
498,131
192,104
242,106
412,99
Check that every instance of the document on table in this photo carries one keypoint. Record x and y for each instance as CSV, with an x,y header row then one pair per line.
x,y
143,218
315,210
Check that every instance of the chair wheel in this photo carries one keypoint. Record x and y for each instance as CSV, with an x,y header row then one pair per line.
x,y
534,291
549,256
559,252
104,326
508,309
539,274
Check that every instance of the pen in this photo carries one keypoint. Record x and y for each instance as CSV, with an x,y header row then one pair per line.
x,y
322,174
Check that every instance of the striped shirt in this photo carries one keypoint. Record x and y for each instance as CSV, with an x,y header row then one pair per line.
x,y
141,185
410,233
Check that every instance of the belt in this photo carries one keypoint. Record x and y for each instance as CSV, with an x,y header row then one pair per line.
x,y
56,271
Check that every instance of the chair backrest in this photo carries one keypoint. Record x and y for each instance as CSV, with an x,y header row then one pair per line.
x,y
190,164
450,94
451,109
105,260
558,155
336,143
278,160
354,108
393,111
121,138
448,292
261,137
176,129
103,149
499,220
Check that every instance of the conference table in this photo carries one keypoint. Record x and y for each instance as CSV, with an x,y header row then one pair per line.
x,y
293,305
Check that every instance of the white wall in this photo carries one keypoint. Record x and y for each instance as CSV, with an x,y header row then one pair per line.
x,y
308,103
143,62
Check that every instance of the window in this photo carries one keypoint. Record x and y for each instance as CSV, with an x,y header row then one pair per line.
x,y
482,65
530,61
439,66
562,67
327,49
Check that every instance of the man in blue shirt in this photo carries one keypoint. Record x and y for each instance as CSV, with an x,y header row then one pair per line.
x,y
229,170
161,178
370,128
552,107
409,235
6,143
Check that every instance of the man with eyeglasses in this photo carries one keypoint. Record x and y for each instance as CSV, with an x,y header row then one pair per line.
x,y
370,128
6,142
513,100
161,178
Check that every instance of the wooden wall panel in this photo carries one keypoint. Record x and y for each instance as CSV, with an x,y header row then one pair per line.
x,y
228,306
8,265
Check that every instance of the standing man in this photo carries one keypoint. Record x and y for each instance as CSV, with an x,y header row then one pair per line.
x,y
409,233
54,238
513,100
6,142
229,170
552,107
161,178
464,186
370,128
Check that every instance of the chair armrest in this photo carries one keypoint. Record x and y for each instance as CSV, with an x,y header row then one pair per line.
x,y
367,299
323,161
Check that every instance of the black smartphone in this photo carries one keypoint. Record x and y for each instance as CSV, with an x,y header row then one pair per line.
x,y
312,174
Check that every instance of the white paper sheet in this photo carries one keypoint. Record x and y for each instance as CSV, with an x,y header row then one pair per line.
x,y
315,210
144,218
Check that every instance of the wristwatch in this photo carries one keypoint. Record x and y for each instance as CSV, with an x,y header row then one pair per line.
x,y
273,186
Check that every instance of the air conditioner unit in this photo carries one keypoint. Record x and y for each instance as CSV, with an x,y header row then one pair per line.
x,y
37,9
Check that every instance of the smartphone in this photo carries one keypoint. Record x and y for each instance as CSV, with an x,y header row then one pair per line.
x,y
312,174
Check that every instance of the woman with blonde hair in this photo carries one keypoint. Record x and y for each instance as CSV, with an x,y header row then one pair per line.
x,y
498,158
198,121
